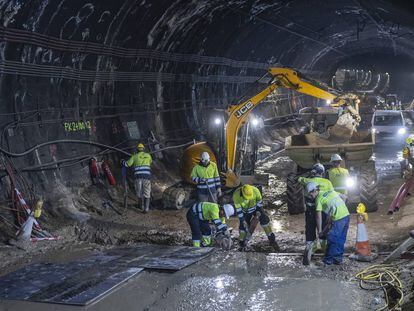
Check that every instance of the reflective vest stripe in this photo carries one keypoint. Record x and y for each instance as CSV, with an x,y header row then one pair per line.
x,y
239,212
219,224
251,209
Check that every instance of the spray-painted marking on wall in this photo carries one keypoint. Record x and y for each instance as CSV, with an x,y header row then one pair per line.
x,y
77,126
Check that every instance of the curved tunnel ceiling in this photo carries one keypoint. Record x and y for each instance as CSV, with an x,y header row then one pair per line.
x,y
163,58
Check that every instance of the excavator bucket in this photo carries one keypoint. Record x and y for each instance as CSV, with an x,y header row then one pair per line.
x,y
231,180
343,129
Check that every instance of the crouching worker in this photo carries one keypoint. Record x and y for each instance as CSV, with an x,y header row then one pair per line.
x,y
310,209
249,207
335,227
199,217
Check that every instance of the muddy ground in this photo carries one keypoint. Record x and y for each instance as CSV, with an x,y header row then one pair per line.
x,y
252,274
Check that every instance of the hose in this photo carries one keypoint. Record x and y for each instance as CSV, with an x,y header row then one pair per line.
x,y
82,158
383,277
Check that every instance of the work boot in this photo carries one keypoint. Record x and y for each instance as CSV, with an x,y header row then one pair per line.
x,y
146,205
307,254
273,243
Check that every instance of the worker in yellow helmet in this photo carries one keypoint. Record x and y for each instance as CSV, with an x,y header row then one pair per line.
x,y
248,203
141,162
206,176
338,176
408,156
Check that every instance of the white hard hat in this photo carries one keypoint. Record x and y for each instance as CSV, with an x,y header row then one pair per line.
x,y
228,210
336,157
205,157
318,168
311,186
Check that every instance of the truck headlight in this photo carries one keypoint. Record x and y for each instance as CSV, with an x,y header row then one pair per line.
x,y
402,131
350,182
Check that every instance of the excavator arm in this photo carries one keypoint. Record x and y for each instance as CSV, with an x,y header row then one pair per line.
x,y
285,78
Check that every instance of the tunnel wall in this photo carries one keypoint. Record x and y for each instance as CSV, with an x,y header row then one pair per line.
x,y
122,71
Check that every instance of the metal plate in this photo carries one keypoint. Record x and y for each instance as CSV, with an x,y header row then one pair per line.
x,y
88,280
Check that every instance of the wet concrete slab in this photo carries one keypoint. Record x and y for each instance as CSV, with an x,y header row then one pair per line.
x,y
87,280
233,281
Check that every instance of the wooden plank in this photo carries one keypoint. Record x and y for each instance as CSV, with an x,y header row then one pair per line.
x,y
405,246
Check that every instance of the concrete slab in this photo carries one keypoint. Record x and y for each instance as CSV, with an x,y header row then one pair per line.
x,y
85,281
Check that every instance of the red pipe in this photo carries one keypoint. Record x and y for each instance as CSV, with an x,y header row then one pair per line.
x,y
401,194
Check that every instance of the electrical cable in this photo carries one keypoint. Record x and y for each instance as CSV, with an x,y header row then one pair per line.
x,y
87,47
383,277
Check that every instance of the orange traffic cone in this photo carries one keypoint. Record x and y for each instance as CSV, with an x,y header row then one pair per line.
x,y
362,246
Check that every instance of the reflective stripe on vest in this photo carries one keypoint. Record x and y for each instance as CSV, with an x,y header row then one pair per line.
x,y
211,184
142,170
251,209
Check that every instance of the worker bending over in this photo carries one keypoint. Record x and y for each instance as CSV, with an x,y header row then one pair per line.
x,y
336,224
338,176
248,203
199,217
141,162
324,184
206,177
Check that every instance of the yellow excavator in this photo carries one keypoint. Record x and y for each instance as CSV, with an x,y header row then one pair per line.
x,y
339,134
289,79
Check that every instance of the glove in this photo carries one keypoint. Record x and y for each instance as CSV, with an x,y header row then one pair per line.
x,y
219,193
123,163
202,180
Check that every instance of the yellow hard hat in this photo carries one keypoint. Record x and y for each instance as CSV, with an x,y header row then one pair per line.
x,y
247,191
361,208
140,146
409,140
361,211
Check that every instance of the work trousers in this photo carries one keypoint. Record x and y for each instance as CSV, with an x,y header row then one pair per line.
x,y
143,188
336,241
310,219
198,227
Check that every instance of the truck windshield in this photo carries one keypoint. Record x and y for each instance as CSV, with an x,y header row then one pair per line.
x,y
387,120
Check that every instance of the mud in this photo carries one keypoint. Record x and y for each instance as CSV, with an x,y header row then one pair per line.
x,y
233,281
255,280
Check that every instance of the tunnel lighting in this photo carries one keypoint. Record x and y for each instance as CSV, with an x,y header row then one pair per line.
x,y
402,131
350,182
255,122
217,121
328,101
386,73
374,130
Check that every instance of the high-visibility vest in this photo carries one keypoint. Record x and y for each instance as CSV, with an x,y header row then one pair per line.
x,y
338,176
210,173
210,212
141,162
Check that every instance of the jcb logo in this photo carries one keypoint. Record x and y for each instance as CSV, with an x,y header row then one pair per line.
x,y
245,108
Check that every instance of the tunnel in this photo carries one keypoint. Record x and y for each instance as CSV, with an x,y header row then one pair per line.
x,y
83,82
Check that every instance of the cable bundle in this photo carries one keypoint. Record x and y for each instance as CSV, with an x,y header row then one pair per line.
x,y
385,277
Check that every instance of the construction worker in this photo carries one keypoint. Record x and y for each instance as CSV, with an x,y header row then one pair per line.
x,y
141,162
206,176
338,176
248,203
408,151
324,184
199,217
335,226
